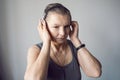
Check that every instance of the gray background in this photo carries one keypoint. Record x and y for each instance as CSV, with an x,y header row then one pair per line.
x,y
99,22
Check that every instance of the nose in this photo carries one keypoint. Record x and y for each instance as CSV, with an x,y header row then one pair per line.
x,y
62,32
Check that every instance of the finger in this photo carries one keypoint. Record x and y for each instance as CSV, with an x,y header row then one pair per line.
x,y
75,25
75,28
71,31
40,25
72,25
44,24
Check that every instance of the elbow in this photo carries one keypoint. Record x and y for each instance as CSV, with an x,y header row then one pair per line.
x,y
95,74
29,76
26,77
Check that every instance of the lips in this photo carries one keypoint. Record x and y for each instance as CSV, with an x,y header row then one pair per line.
x,y
61,39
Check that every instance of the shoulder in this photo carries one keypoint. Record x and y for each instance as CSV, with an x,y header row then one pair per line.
x,y
32,55
35,48
33,52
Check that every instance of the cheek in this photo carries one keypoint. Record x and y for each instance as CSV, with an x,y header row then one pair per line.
x,y
68,31
53,32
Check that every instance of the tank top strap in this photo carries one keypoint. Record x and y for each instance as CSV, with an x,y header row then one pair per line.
x,y
73,49
39,45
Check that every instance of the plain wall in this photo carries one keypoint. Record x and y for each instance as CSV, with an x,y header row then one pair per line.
x,y
99,22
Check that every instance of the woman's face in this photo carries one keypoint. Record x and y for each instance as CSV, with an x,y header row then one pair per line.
x,y
58,26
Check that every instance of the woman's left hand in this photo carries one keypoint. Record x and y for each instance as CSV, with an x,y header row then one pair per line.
x,y
74,33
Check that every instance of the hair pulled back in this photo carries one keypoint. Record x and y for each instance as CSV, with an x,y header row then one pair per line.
x,y
58,8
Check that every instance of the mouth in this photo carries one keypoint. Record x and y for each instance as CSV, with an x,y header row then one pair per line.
x,y
61,39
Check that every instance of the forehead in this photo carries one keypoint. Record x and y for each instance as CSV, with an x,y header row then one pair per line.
x,y
56,18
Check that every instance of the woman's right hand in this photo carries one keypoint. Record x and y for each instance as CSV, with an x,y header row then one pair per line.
x,y
43,31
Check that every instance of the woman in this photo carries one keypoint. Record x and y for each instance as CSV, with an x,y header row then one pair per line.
x,y
58,58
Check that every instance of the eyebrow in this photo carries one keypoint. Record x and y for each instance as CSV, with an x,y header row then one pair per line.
x,y
67,25
59,25
55,24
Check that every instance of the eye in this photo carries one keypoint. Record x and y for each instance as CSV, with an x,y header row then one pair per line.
x,y
56,27
68,26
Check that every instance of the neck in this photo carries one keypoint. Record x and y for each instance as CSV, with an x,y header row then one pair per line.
x,y
58,47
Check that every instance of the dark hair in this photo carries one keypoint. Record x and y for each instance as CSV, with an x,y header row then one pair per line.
x,y
58,8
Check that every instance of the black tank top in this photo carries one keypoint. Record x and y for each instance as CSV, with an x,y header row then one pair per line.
x,y
70,71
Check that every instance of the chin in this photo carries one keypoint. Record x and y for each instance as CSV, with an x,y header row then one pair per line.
x,y
60,41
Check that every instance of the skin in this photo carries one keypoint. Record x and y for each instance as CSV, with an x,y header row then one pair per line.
x,y
59,27
54,32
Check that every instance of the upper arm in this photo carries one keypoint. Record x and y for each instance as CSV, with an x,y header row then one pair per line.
x,y
33,53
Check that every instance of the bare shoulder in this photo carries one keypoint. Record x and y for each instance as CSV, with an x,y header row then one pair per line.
x,y
32,55
33,50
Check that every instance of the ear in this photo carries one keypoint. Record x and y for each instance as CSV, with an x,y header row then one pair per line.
x,y
71,28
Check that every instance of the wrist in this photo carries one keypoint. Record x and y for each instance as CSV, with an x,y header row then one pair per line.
x,y
80,46
47,42
76,42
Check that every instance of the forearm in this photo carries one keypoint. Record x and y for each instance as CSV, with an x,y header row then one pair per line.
x,y
90,65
